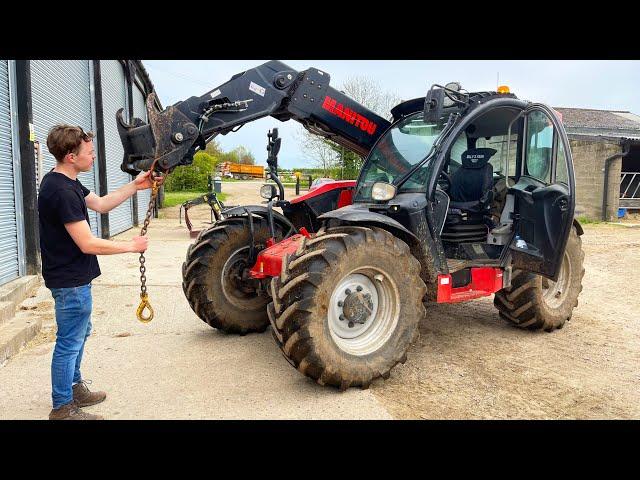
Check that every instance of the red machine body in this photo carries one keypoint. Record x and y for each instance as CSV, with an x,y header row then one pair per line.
x,y
345,198
484,281
269,262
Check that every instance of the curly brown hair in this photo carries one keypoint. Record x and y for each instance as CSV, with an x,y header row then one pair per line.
x,y
63,139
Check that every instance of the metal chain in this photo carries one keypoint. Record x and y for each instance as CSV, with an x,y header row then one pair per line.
x,y
144,297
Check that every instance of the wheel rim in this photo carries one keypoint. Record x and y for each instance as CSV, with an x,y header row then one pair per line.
x,y
237,291
555,293
368,300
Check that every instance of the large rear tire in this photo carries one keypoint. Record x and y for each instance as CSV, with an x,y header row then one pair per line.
x,y
347,305
535,302
212,276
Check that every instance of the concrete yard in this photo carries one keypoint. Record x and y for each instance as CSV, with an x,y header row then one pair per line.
x,y
468,363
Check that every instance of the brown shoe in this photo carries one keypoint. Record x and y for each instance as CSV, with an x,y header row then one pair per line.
x,y
70,411
83,397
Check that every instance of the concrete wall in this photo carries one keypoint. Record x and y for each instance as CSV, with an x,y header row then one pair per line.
x,y
588,162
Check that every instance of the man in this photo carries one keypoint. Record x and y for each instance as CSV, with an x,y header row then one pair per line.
x,y
69,261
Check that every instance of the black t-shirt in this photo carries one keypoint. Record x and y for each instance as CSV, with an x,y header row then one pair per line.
x,y
61,200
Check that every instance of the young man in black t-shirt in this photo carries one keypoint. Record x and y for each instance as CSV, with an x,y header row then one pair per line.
x,y
69,262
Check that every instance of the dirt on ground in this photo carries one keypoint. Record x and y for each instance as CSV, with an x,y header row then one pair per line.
x,y
470,364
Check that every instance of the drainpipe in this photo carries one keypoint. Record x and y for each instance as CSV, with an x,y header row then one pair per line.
x,y
626,147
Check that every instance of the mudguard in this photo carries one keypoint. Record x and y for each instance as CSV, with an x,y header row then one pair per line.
x,y
579,229
361,214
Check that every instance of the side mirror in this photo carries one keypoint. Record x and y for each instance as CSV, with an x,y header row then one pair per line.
x,y
433,105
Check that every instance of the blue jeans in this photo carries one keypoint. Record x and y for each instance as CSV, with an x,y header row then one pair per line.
x,y
73,316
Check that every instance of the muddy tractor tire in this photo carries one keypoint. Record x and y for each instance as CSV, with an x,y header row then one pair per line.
x,y
212,276
535,302
346,306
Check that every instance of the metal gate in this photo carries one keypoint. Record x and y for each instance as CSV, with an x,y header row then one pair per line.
x,y
114,97
61,93
140,111
630,190
11,223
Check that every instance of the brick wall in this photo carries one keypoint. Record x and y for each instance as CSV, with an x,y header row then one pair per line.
x,y
588,163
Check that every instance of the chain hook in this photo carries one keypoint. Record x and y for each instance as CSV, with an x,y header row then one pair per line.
x,y
144,297
144,304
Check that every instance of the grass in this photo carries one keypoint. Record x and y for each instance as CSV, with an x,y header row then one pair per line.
x,y
172,199
586,220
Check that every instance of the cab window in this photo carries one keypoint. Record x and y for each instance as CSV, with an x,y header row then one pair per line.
x,y
499,143
562,175
539,147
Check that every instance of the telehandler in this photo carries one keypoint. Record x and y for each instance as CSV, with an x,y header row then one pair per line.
x,y
462,195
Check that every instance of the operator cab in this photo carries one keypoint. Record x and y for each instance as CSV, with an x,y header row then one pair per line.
x,y
500,182
506,174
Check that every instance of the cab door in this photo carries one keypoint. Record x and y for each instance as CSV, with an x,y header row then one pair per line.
x,y
544,194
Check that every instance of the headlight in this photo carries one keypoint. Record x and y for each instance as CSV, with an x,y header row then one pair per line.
x,y
268,191
383,191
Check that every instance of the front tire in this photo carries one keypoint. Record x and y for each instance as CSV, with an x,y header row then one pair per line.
x,y
365,275
535,302
212,276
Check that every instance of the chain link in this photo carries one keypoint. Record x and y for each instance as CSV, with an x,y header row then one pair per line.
x,y
143,278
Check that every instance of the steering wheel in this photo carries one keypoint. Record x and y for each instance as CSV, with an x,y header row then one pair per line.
x,y
444,181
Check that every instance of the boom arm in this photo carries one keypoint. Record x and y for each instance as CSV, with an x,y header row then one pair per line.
x,y
172,137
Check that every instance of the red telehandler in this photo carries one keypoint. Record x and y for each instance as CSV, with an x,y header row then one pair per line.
x,y
462,195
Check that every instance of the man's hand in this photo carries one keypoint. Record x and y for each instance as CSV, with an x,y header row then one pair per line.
x,y
144,180
139,244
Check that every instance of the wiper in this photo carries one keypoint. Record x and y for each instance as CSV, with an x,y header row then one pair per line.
x,y
453,117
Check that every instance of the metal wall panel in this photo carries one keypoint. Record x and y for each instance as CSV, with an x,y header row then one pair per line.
x,y
114,97
9,258
140,111
61,93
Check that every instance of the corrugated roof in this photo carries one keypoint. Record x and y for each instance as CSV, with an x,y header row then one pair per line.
x,y
599,119
147,79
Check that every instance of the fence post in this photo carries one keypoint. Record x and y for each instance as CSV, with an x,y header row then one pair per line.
x,y
297,185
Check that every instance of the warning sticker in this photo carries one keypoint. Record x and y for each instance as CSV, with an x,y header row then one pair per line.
x,y
215,93
257,89
32,133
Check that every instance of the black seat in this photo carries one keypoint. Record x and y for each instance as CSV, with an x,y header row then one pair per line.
x,y
471,194
472,184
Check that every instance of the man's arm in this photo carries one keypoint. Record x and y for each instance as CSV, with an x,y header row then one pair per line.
x,y
81,234
110,201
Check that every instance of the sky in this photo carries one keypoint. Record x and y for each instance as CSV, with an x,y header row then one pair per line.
x,y
597,84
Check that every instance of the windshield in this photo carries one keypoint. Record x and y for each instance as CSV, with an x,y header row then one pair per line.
x,y
403,146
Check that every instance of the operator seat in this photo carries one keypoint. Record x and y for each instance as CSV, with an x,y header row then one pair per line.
x,y
471,194
472,183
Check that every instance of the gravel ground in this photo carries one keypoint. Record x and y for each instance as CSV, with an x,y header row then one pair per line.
x,y
471,364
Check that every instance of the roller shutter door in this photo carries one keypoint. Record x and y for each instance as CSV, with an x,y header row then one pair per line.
x,y
114,97
61,93
140,111
9,256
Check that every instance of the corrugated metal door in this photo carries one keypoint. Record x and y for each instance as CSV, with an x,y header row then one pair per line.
x,y
61,93
114,97
140,111
9,259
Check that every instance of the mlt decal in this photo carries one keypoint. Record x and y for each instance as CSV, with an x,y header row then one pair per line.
x,y
348,115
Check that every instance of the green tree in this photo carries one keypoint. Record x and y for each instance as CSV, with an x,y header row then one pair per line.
x,y
214,149
350,162
194,176
245,156
231,156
